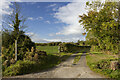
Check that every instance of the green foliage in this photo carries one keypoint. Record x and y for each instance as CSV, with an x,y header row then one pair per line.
x,y
27,66
48,44
103,67
72,48
24,42
82,43
102,25
21,67
100,63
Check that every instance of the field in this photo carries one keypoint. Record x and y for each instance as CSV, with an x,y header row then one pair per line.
x,y
48,49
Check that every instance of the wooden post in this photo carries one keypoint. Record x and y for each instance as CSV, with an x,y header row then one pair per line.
x,y
58,49
15,50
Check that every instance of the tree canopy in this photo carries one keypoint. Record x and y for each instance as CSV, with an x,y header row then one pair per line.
x,y
102,24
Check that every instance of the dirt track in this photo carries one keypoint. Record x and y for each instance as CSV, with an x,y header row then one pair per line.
x,y
66,70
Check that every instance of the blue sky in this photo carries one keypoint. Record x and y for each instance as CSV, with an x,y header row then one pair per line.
x,y
41,18
53,21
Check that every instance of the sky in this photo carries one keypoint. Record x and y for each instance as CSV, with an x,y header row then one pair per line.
x,y
51,21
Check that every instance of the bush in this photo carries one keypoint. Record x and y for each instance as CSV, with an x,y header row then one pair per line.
x,y
21,67
27,66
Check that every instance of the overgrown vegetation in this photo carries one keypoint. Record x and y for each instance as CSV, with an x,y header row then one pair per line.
x,y
9,36
26,66
100,63
103,29
25,47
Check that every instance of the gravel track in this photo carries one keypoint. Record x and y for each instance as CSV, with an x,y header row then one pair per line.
x,y
66,70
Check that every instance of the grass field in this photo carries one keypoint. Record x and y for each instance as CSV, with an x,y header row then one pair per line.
x,y
48,49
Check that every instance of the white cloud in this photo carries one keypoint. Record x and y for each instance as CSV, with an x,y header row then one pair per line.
x,y
40,18
6,9
37,38
69,14
52,5
52,40
56,22
47,22
66,39
30,33
54,9
30,18
4,6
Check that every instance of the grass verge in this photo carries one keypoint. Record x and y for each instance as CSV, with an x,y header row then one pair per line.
x,y
77,58
101,63
25,67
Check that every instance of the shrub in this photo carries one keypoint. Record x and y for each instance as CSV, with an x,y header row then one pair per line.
x,y
27,66
21,67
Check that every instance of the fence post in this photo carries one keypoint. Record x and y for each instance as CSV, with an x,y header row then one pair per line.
x,y
15,50
58,49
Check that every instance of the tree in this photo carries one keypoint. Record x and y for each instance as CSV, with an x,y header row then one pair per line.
x,y
102,21
16,33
